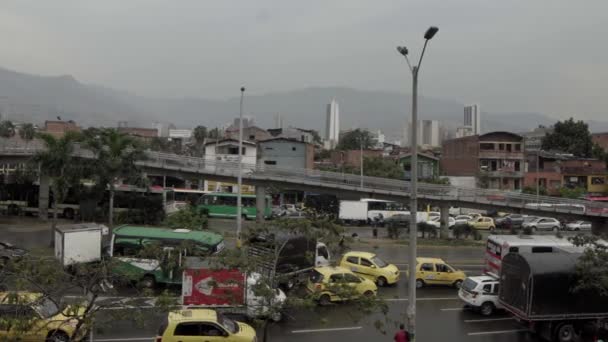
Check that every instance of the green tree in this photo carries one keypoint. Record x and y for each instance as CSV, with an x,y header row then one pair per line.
x,y
116,155
27,132
200,134
532,190
592,265
572,193
380,167
353,140
570,136
322,154
7,129
316,138
215,133
189,218
58,163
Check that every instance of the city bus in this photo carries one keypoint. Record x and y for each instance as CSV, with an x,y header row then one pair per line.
x,y
177,198
498,246
221,204
376,207
128,250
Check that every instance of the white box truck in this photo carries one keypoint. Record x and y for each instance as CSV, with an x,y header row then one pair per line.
x,y
353,212
79,243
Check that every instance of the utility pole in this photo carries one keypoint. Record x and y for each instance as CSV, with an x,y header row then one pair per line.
x,y
239,198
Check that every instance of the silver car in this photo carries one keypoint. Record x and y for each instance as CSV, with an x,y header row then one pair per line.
x,y
543,223
578,225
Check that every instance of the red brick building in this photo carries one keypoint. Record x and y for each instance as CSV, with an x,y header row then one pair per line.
x,y
353,157
496,159
59,128
601,139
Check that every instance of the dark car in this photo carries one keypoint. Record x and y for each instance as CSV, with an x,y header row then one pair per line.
x,y
398,220
9,252
510,221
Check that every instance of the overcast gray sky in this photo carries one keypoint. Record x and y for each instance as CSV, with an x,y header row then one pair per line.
x,y
548,56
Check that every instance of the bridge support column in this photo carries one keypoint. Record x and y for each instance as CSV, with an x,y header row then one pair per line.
x,y
43,197
281,198
260,203
200,184
444,221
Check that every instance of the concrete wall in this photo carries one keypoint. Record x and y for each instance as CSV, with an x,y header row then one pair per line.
x,y
286,153
459,157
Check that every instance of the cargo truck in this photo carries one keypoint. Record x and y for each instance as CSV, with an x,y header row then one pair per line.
x,y
537,288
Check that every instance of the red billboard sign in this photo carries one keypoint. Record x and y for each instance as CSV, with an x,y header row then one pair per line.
x,y
207,287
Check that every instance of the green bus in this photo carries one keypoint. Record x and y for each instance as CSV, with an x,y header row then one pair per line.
x,y
130,244
224,205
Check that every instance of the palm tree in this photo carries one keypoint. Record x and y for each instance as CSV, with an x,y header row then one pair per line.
x,y
27,132
57,162
7,129
116,154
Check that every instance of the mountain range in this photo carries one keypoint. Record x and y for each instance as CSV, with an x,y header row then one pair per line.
x,y
33,98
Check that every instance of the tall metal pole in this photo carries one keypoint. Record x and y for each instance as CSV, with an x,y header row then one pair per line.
x,y
411,289
361,159
239,199
538,178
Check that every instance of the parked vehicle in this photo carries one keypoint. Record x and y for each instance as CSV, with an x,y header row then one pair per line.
x,y
10,252
579,225
483,222
367,210
510,221
436,222
207,286
288,256
203,325
221,204
543,223
498,246
352,212
48,323
481,294
370,266
462,219
330,284
537,289
435,271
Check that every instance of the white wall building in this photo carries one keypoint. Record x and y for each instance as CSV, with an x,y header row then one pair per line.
x,y
278,121
472,118
180,133
429,133
227,150
332,124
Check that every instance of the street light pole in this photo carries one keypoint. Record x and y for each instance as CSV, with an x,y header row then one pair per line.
x,y
361,159
538,177
411,309
239,199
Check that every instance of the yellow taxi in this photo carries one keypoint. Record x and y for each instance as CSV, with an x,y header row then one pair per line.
x,y
434,271
196,325
370,266
27,316
333,284
483,222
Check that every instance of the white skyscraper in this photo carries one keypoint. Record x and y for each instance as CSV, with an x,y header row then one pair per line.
x,y
332,125
428,133
472,118
278,121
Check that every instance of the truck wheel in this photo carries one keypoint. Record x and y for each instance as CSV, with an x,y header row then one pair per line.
x,y
419,283
458,283
57,336
487,309
565,333
324,300
555,229
381,281
148,282
368,294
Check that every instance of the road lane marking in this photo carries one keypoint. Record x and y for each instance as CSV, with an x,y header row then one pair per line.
x,y
324,330
497,332
124,339
488,320
419,299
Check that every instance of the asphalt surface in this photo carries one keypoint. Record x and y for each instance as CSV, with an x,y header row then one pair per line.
x,y
440,314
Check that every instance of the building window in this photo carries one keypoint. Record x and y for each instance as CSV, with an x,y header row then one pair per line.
x,y
598,180
270,162
235,150
486,146
516,184
252,137
509,147
518,147
493,165
293,148
517,168
501,147
268,148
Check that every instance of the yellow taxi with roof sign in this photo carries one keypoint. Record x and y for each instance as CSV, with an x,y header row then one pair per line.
x,y
372,267
195,325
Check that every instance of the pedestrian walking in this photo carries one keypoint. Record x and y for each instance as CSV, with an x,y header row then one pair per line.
x,y
402,335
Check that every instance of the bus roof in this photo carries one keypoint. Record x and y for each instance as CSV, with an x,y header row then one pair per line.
x,y
375,200
529,240
194,191
208,238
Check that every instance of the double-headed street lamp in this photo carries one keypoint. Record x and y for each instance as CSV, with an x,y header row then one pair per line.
x,y
411,310
239,198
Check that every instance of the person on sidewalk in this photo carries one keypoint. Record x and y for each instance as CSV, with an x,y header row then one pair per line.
x,y
402,335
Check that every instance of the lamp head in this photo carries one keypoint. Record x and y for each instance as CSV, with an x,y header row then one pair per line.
x,y
430,33
402,50
242,89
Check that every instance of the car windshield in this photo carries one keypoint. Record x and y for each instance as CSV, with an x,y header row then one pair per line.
x,y
530,218
379,262
46,308
469,284
316,277
227,323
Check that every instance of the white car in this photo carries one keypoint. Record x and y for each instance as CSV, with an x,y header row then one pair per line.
x,y
463,219
436,221
481,294
543,223
579,225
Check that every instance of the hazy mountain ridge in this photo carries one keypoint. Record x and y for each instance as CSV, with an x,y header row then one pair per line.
x,y
25,97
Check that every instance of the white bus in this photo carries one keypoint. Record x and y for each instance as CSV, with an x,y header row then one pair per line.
x,y
178,198
368,209
498,246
